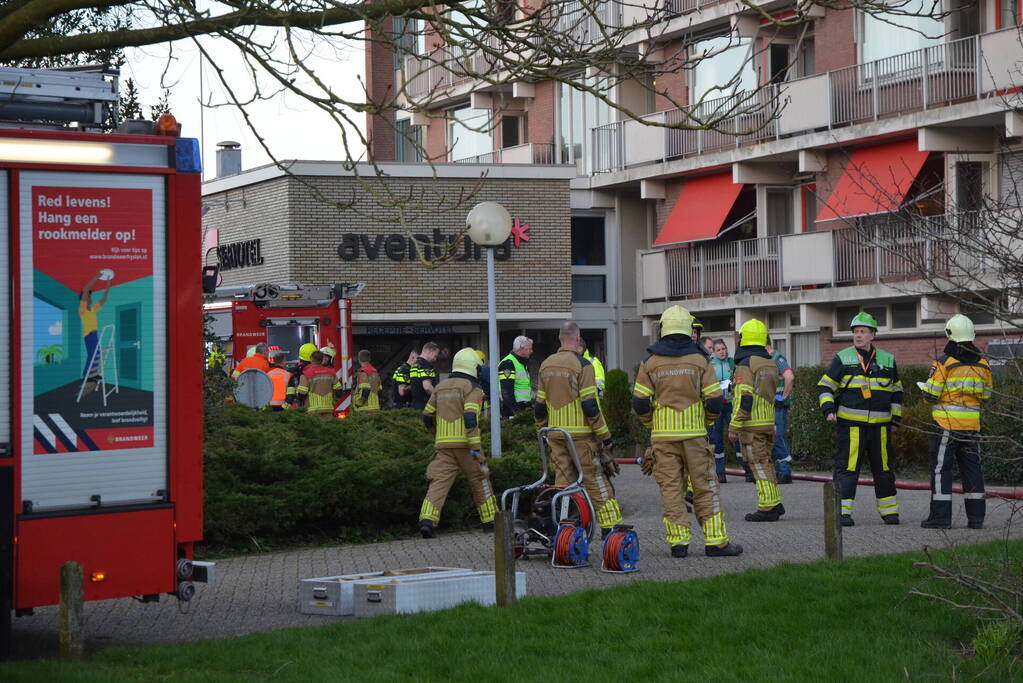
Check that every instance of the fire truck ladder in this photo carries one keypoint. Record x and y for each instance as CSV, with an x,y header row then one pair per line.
x,y
87,95
103,355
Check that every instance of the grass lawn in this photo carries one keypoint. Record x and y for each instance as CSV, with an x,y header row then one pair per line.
x,y
820,622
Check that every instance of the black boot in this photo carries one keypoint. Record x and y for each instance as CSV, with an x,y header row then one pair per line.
x,y
722,479
726,550
426,529
762,516
785,479
749,473
779,509
847,520
488,527
891,519
679,551
975,524
931,523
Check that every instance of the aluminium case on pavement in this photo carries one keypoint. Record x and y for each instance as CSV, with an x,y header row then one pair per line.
x,y
333,595
100,362
372,599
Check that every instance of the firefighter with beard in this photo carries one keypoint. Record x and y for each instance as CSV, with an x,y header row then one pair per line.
x,y
755,378
960,381
452,413
675,395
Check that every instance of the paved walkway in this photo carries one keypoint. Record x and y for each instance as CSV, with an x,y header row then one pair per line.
x,y
260,592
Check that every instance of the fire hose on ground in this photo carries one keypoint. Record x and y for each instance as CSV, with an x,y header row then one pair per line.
x,y
820,478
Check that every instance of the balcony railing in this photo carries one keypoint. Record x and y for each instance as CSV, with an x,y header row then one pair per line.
x,y
937,76
869,250
529,153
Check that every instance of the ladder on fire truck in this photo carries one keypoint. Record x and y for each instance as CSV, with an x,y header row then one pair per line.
x,y
86,94
293,294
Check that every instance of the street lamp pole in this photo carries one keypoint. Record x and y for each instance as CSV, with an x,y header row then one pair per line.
x,y
495,392
489,225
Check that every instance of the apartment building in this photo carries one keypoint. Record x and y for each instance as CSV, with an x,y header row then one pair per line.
x,y
850,150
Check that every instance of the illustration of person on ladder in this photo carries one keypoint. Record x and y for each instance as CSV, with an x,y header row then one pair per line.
x,y
87,311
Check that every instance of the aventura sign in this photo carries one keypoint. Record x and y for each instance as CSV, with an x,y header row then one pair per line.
x,y
400,247
240,255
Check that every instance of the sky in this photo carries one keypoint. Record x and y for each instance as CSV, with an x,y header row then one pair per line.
x,y
292,127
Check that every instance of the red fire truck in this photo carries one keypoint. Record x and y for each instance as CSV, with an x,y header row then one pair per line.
x,y
100,322
288,316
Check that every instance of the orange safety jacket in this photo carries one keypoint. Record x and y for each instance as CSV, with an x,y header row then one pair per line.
x,y
280,377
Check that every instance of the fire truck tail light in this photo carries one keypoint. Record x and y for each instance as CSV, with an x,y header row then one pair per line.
x,y
342,414
96,577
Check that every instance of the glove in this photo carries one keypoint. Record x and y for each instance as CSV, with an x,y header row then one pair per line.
x,y
646,465
607,460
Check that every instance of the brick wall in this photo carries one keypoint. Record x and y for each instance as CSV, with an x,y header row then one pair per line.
x,y
908,350
834,40
673,81
540,121
380,84
305,231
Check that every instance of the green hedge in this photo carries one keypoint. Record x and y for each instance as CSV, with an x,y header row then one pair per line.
x,y
285,478
813,439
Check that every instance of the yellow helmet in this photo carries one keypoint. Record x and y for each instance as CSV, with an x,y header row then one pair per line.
x,y
753,333
676,320
467,361
959,328
483,357
306,351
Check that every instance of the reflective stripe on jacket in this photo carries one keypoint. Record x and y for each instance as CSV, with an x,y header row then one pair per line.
x,y
959,389
871,396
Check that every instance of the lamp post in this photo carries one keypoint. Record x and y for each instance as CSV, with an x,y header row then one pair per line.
x,y
489,225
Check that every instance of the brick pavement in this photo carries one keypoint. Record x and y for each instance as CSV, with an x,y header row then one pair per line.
x,y
259,592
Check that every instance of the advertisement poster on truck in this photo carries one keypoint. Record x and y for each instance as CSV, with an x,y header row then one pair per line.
x,y
92,312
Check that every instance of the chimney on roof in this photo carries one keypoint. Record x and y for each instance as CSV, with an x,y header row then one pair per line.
x,y
229,158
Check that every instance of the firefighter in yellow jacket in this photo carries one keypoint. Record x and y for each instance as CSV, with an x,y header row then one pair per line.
x,y
453,412
959,383
318,388
367,389
755,379
566,397
676,394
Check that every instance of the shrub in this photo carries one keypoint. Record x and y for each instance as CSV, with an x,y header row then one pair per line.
x,y
287,477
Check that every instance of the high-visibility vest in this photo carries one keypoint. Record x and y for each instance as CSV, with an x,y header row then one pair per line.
x,y
598,369
959,389
280,377
523,387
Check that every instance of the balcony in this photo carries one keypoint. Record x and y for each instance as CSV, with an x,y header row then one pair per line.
x,y
529,153
937,76
869,250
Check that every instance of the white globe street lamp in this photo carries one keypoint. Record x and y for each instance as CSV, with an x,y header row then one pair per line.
x,y
489,224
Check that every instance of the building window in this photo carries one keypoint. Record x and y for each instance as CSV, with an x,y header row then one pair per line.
x,y
409,39
589,289
888,35
725,68
579,113
588,241
880,314
470,134
511,131
779,211
980,312
970,184
904,314
845,314
1008,13
408,143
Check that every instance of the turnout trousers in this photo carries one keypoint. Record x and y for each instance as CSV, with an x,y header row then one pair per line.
x,y
599,488
756,451
674,462
947,448
871,442
441,472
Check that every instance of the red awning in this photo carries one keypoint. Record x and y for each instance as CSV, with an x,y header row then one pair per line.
x,y
700,209
875,181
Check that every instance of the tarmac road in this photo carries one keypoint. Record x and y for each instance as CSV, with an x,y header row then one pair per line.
x,y
260,592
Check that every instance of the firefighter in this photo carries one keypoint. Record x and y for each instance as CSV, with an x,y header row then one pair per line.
x,y
566,397
861,392
367,389
304,359
959,382
255,359
675,395
401,383
513,374
423,376
318,388
329,354
280,378
755,379
598,367
452,412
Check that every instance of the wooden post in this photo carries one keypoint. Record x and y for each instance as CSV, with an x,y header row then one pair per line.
x,y
72,617
504,558
832,523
